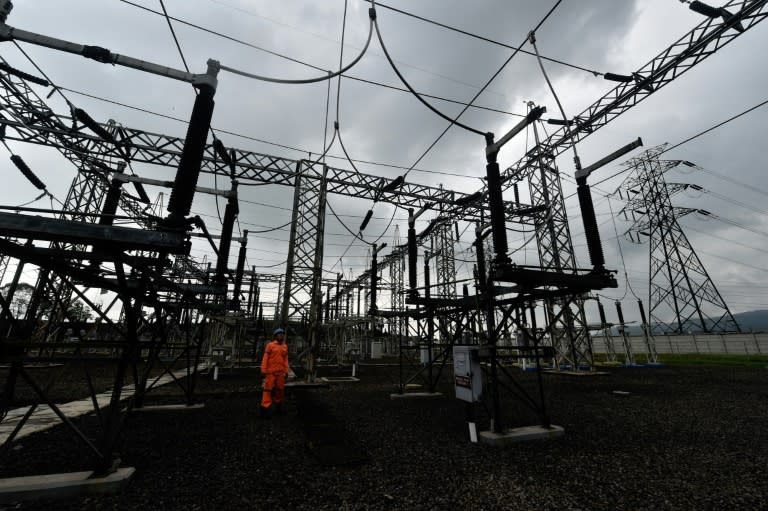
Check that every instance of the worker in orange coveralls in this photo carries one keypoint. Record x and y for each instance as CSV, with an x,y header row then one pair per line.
x,y
274,368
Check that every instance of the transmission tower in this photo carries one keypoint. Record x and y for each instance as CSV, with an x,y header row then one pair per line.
x,y
679,285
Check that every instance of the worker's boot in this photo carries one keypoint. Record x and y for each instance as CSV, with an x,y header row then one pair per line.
x,y
263,412
279,409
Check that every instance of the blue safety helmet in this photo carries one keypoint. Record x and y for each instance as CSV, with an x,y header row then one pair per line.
x,y
278,331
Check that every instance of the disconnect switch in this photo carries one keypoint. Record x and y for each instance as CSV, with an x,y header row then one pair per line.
x,y
467,373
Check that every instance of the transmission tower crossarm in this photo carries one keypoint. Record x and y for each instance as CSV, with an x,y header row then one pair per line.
x,y
144,147
103,55
705,39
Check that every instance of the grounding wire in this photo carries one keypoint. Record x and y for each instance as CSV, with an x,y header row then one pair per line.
x,y
543,20
734,181
621,254
715,126
732,261
688,227
224,36
482,38
532,39
173,33
32,201
416,94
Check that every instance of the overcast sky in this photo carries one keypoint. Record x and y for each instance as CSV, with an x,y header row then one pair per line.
x,y
391,127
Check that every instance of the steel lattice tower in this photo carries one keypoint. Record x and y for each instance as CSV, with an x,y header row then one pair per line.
x,y
570,332
305,252
88,188
396,275
445,264
677,280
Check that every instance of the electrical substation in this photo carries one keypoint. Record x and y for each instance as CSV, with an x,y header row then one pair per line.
x,y
468,308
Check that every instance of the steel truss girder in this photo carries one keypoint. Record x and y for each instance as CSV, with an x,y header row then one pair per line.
x,y
88,188
442,246
28,109
144,147
570,333
702,41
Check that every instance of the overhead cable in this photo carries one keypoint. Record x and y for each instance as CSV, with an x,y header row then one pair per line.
x,y
532,39
486,39
715,126
433,144
416,94
173,33
307,64
733,118
309,80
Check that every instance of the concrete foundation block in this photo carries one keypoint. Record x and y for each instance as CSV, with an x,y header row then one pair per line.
x,y
306,385
54,486
577,374
169,408
524,434
338,379
416,395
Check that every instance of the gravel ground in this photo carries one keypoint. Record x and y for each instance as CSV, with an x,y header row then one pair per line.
x,y
683,438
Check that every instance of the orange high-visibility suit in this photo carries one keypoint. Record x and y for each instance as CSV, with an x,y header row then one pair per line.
x,y
274,367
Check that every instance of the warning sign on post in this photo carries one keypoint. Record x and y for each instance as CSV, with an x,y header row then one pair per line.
x,y
467,374
463,381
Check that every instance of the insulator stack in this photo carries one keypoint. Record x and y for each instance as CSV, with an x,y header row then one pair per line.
x,y
601,310
221,151
620,312
94,126
24,76
704,9
594,245
24,168
180,202
366,220
613,77
642,312
143,197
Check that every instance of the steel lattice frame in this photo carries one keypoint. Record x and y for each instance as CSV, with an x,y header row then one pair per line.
x,y
446,264
706,38
305,250
143,147
570,334
396,277
677,280
701,42
88,188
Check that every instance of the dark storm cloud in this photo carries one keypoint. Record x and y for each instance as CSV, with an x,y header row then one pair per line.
x,y
389,126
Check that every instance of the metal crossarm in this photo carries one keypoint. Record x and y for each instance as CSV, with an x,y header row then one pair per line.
x,y
705,39
139,146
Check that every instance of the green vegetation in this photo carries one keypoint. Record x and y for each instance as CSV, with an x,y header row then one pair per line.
x,y
715,360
